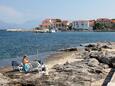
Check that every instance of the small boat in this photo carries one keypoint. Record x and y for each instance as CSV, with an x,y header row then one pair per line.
x,y
52,30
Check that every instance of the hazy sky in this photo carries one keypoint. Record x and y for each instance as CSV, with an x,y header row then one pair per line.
x,y
19,11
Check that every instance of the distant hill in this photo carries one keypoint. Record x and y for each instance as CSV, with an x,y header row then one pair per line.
x,y
30,24
26,25
4,25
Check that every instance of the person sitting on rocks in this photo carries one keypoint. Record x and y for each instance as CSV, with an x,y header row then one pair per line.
x,y
26,64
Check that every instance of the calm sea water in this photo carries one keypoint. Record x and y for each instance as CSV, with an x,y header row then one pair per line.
x,y
16,44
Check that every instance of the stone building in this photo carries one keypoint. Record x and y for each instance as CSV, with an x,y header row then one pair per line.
x,y
56,24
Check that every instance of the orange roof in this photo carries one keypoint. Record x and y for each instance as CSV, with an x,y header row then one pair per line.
x,y
113,20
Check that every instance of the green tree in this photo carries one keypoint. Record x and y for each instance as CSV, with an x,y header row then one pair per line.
x,y
98,26
102,26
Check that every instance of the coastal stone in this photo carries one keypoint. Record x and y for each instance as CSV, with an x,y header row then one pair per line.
x,y
58,68
104,57
85,55
113,62
77,73
69,49
106,46
4,81
96,70
87,49
70,74
97,46
93,62
95,54
107,59
88,44
105,66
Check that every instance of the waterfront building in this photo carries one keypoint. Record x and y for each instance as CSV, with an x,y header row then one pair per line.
x,y
81,25
113,21
65,25
113,24
51,24
92,23
45,24
56,24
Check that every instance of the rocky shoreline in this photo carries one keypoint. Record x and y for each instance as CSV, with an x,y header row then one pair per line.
x,y
86,66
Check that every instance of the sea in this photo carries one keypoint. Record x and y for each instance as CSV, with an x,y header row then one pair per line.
x,y
14,45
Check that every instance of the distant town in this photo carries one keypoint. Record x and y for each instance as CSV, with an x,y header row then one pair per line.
x,y
59,25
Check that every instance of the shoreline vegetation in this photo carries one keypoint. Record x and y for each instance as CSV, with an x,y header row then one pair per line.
x,y
88,65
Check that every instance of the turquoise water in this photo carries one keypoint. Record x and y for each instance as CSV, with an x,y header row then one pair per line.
x,y
17,44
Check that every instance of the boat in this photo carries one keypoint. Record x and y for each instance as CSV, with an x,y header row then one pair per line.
x,y
52,30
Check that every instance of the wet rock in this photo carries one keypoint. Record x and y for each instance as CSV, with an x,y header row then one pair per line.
x,y
97,46
106,47
87,49
69,49
91,45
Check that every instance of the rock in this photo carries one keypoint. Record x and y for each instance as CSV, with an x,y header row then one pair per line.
x,y
104,57
87,49
107,59
92,49
69,49
4,81
93,62
77,73
97,46
58,68
89,45
95,70
85,55
95,54
105,66
113,62
106,47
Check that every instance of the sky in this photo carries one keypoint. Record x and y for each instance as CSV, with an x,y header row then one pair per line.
x,y
20,11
